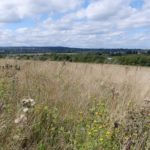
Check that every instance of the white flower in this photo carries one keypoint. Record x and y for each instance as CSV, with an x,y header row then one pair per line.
x,y
21,119
147,100
25,110
32,101
27,103
17,120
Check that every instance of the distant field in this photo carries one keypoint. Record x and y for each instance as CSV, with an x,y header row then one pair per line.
x,y
77,106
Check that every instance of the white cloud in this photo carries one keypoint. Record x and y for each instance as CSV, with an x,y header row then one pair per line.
x,y
103,23
15,10
102,9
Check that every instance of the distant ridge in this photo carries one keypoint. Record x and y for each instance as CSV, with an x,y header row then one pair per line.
x,y
59,49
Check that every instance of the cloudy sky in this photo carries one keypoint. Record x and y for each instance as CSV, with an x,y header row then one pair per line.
x,y
75,23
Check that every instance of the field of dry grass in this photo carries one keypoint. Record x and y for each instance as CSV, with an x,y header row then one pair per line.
x,y
71,89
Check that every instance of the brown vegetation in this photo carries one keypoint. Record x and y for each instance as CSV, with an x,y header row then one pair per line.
x,y
70,89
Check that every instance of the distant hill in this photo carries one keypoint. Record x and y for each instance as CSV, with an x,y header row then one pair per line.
x,y
19,50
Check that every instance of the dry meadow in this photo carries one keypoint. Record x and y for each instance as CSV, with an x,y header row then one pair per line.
x,y
76,106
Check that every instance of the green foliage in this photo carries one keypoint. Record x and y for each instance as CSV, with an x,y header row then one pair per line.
x,y
41,147
124,59
92,130
89,57
95,131
142,60
79,57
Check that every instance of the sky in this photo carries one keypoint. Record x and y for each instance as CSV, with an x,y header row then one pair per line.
x,y
75,23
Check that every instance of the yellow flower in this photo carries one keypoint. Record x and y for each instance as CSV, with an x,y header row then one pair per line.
x,y
107,133
96,113
101,139
89,133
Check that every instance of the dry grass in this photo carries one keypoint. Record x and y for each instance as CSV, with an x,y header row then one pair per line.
x,y
70,87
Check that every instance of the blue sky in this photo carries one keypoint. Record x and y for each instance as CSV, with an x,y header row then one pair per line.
x,y
137,3
75,23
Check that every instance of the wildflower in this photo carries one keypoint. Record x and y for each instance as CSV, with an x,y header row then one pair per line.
x,y
21,119
89,133
25,110
147,100
97,113
107,133
32,101
101,139
28,103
